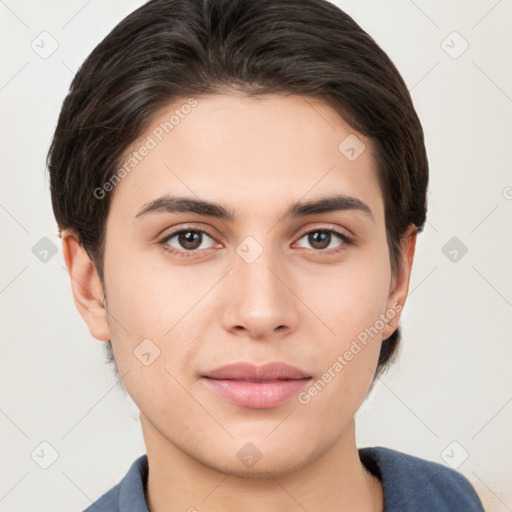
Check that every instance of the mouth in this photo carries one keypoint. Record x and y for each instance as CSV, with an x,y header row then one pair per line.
x,y
256,387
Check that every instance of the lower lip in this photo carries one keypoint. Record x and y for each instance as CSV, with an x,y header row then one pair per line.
x,y
257,395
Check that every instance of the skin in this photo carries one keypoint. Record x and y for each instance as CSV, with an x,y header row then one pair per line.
x,y
293,304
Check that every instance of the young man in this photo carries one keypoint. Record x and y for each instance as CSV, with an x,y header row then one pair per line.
x,y
239,186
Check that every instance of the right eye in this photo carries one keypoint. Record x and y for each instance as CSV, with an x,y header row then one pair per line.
x,y
185,242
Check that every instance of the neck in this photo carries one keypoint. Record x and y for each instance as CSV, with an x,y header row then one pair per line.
x,y
335,481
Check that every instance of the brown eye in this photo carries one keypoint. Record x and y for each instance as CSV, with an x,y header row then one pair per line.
x,y
189,240
322,239
319,239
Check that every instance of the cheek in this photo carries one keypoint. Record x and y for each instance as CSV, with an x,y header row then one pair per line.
x,y
352,303
149,296
351,297
348,357
155,302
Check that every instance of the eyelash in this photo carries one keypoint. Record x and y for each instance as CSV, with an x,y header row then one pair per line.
x,y
191,254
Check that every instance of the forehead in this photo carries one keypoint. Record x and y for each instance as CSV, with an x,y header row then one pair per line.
x,y
248,152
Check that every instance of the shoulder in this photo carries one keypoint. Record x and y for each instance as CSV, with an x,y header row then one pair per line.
x,y
412,483
128,494
108,501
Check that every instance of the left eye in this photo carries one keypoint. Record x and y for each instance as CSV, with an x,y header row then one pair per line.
x,y
322,239
189,240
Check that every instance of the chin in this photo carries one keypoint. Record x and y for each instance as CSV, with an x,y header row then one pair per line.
x,y
258,457
269,466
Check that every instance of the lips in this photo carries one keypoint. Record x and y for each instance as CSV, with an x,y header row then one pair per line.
x,y
250,372
257,387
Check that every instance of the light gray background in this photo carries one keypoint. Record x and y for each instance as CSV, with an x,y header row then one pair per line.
x,y
450,395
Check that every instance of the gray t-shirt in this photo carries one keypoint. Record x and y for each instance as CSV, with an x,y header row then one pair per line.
x,y
410,484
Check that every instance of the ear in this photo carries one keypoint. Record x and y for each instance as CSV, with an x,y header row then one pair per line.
x,y
399,286
86,286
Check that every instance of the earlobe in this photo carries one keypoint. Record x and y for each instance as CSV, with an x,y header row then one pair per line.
x,y
400,281
86,286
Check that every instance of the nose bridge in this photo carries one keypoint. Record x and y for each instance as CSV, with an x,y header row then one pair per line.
x,y
257,269
259,300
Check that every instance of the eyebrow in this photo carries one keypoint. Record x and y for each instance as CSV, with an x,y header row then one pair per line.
x,y
172,204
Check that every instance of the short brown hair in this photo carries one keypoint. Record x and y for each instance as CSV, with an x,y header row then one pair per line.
x,y
169,49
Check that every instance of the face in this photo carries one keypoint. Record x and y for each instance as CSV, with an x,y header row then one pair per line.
x,y
251,277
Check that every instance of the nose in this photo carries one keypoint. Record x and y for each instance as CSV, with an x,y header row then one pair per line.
x,y
260,300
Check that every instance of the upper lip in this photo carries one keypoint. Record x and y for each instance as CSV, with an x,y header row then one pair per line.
x,y
250,372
